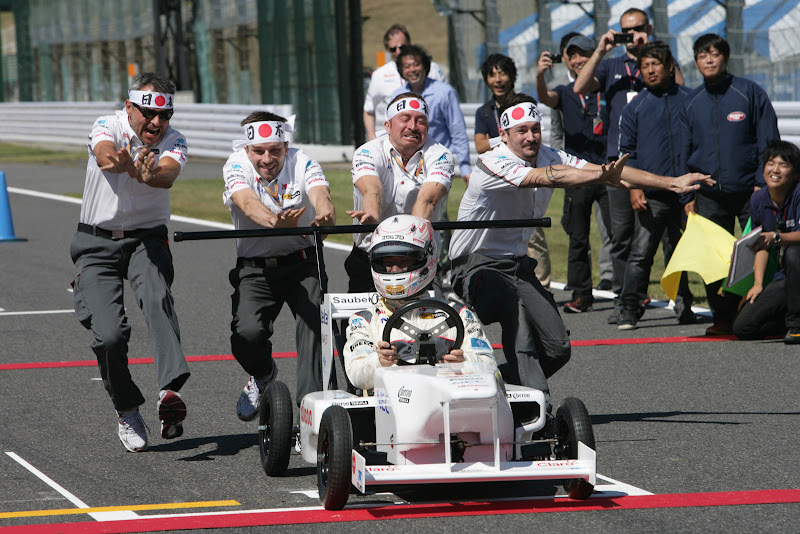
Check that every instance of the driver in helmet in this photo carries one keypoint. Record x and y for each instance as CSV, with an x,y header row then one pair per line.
x,y
403,256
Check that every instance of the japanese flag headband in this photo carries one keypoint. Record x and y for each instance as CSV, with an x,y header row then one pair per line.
x,y
406,104
519,114
151,99
266,132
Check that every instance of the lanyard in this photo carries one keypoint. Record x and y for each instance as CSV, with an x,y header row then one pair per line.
x,y
633,78
586,112
273,191
399,161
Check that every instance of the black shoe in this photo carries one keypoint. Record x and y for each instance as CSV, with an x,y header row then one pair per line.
x,y
614,317
627,320
604,285
792,336
687,316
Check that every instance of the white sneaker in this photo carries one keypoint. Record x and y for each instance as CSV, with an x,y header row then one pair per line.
x,y
250,400
132,430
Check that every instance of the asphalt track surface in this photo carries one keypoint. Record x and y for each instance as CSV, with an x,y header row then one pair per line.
x,y
693,435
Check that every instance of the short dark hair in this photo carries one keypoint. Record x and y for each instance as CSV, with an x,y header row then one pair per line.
x,y
416,51
704,43
160,83
514,100
785,150
564,40
393,29
657,50
501,63
261,116
636,11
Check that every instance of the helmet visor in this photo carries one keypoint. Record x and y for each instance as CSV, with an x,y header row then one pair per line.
x,y
396,256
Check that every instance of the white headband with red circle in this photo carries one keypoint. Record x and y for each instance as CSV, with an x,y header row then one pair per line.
x,y
406,104
266,132
519,114
151,99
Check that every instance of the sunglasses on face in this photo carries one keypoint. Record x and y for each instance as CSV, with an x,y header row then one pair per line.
x,y
639,28
150,114
394,49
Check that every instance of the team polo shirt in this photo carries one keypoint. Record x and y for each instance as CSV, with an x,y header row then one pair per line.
x,y
494,193
617,76
401,185
580,112
116,201
386,80
767,215
289,190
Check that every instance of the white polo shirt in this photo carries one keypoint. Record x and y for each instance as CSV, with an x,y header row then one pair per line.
x,y
386,80
289,190
401,185
494,193
116,201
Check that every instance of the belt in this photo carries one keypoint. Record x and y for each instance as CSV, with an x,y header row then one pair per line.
x,y
293,258
121,234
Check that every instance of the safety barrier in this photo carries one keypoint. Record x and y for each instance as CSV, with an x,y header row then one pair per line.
x,y
210,128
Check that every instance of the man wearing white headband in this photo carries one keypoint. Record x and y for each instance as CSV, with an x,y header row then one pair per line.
x,y
269,185
134,158
491,270
404,172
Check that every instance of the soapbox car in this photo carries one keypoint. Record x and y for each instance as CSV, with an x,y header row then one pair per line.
x,y
425,423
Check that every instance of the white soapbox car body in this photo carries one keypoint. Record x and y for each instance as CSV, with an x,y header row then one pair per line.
x,y
425,424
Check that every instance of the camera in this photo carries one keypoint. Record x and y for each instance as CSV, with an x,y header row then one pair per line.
x,y
555,58
622,38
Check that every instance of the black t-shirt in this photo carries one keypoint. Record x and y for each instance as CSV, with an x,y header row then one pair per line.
x,y
583,135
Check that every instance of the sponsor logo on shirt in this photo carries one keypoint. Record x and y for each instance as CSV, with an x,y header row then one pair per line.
x,y
736,116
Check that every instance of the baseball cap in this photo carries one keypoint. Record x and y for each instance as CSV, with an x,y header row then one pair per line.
x,y
582,42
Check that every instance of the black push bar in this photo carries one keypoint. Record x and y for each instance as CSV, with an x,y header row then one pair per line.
x,y
354,229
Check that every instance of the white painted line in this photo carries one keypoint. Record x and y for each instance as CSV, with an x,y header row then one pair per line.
x,y
101,516
176,218
616,486
43,312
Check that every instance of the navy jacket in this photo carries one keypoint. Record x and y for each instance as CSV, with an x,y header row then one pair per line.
x,y
731,122
653,130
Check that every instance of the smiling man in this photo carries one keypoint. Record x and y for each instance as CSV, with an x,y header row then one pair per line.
x,y
134,158
731,121
269,185
491,271
404,172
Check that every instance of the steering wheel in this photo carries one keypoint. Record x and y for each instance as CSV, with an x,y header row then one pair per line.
x,y
425,338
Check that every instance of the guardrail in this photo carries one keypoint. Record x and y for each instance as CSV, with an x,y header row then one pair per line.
x,y
210,128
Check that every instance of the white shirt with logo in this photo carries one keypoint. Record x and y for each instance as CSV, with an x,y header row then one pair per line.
x,y
494,193
401,185
386,80
115,201
289,190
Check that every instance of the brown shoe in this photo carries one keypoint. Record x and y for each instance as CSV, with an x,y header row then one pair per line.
x,y
720,328
577,306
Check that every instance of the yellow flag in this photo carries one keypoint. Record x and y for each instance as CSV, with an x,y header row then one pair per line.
x,y
705,248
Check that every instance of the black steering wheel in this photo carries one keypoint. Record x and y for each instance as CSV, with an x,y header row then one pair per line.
x,y
425,338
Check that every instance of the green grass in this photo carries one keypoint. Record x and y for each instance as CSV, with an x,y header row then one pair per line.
x,y
202,199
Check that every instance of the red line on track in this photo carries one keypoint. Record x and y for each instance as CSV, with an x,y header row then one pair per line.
x,y
415,511
221,357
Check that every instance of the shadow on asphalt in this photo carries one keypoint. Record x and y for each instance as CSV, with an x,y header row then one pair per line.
x,y
661,417
228,445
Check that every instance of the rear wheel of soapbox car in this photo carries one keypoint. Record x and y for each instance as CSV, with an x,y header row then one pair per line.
x,y
573,425
334,458
275,429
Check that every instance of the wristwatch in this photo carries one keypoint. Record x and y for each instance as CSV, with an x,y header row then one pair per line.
x,y
776,237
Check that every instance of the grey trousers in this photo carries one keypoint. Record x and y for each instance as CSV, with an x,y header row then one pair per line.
x,y
535,339
259,295
101,266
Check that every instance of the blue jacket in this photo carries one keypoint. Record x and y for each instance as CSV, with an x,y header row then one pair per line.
x,y
653,130
731,122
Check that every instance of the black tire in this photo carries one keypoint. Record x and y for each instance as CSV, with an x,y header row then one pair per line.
x,y
334,458
275,429
573,425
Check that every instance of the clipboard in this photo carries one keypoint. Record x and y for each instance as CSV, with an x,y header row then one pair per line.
x,y
743,257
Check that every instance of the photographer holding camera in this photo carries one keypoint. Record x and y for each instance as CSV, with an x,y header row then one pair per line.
x,y
585,120
620,80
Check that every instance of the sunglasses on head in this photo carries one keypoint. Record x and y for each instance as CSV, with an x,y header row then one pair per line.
x,y
394,49
639,28
150,114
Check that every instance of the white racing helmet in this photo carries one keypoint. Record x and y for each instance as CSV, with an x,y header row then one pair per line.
x,y
405,236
